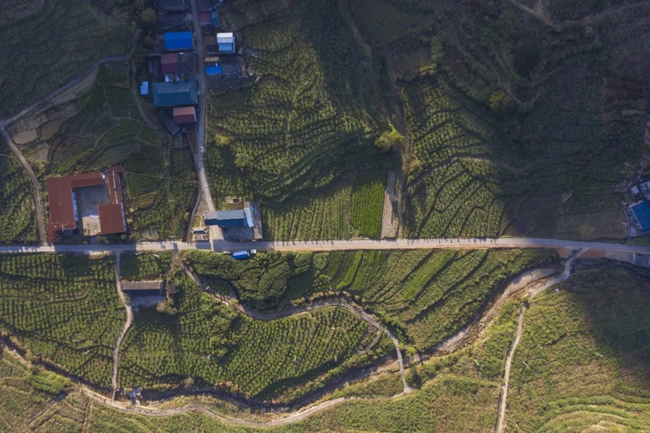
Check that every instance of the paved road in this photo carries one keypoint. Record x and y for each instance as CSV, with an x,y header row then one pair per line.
x,y
200,133
40,219
400,244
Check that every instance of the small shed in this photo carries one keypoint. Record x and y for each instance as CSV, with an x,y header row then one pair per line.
x,y
142,288
184,115
226,42
204,5
175,94
169,63
144,88
641,212
176,41
214,17
204,19
226,218
213,69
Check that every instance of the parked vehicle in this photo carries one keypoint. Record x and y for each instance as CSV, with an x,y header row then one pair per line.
x,y
243,255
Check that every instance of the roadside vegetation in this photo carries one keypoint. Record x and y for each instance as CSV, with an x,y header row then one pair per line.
x,y
45,44
425,295
17,220
63,310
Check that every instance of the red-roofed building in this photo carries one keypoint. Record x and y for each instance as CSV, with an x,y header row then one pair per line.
x,y
184,115
204,18
169,63
62,200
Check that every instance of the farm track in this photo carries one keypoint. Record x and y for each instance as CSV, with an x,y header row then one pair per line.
x,y
200,133
40,216
127,324
520,325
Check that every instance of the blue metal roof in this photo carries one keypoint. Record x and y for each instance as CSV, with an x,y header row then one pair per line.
x,y
175,94
214,17
213,70
642,214
227,48
178,40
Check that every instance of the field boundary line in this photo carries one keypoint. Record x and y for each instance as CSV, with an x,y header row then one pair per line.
x,y
127,324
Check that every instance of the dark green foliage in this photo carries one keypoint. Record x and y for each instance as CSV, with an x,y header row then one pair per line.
x,y
145,266
17,219
64,309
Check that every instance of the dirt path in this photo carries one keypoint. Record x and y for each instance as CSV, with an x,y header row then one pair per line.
x,y
40,217
321,303
501,425
127,324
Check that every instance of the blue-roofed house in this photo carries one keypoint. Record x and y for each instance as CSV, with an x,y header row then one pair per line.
x,y
175,94
176,41
226,42
641,212
226,218
213,69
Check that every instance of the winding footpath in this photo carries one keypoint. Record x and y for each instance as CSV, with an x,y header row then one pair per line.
x,y
40,218
127,324
520,326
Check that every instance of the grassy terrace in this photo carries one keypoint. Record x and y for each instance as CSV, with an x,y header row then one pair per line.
x,y
45,44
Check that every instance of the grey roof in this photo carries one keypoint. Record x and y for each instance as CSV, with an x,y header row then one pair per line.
x,y
128,286
230,214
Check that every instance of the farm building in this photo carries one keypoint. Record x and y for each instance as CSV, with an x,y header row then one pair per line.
x,y
641,212
204,5
175,94
204,19
214,69
244,224
184,115
166,6
177,41
226,218
169,63
94,199
142,288
226,43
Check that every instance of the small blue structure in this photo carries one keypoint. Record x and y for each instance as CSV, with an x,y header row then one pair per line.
x,y
214,17
226,42
175,41
144,88
641,212
213,70
241,255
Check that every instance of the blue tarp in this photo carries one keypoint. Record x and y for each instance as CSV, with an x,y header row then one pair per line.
x,y
213,70
178,41
144,88
642,214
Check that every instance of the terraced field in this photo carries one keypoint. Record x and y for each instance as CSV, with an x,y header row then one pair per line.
x,y
196,340
425,295
17,221
583,359
46,43
297,140
63,309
